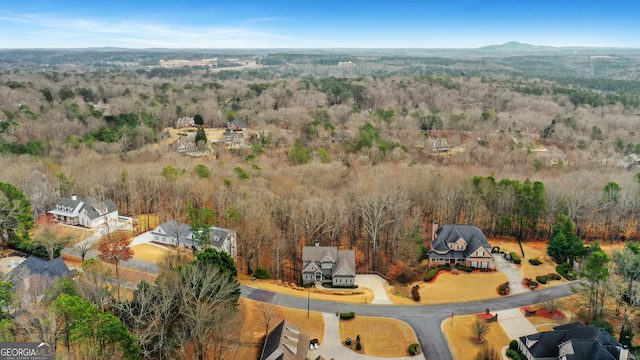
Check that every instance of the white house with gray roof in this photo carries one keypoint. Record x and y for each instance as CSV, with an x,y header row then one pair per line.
x,y
328,264
88,212
173,233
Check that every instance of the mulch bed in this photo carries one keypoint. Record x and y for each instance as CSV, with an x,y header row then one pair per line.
x,y
543,312
485,316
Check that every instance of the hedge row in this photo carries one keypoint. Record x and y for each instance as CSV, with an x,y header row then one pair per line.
x,y
535,262
515,258
431,274
347,315
565,271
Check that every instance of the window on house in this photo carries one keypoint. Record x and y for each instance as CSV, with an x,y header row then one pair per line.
x,y
459,247
480,253
327,265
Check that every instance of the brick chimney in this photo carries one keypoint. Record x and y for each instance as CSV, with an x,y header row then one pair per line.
x,y
434,230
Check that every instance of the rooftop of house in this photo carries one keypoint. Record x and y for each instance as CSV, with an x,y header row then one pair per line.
x,y
340,258
49,270
93,207
286,342
471,234
595,342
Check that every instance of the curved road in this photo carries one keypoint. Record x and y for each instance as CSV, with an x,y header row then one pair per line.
x,y
425,319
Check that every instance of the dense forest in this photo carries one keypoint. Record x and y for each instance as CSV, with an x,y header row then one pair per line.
x,y
343,155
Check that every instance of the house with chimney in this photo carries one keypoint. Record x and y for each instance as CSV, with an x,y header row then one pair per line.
x,y
328,264
573,341
179,234
88,212
460,244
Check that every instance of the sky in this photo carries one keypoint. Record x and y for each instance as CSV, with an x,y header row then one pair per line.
x,y
317,24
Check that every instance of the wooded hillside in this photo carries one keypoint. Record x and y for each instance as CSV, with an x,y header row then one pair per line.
x,y
334,154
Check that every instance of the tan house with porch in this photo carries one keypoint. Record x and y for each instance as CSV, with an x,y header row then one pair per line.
x,y
460,244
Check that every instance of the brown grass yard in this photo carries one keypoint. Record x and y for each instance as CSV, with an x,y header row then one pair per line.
x,y
379,336
355,296
149,253
253,326
462,340
448,287
77,234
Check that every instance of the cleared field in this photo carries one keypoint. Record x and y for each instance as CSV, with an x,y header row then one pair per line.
x,y
149,253
379,336
462,340
253,326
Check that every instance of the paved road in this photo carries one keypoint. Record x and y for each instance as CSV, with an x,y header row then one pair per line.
x,y
425,319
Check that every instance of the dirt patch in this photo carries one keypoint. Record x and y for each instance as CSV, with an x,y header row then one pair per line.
x,y
463,342
379,336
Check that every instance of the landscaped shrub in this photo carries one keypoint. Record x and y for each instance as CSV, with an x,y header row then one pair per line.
x,y
541,279
446,267
495,249
513,354
513,345
262,273
431,274
464,268
413,349
567,274
515,258
553,276
503,289
535,262
414,293
530,283
347,315
358,346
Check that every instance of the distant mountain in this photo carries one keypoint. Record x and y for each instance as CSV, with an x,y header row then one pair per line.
x,y
514,46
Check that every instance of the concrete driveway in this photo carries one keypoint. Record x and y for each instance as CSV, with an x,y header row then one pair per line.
x,y
332,348
513,273
514,323
376,284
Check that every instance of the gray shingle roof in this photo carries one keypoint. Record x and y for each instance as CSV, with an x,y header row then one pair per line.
x,y
287,340
48,269
473,236
94,208
317,253
584,339
346,259
180,232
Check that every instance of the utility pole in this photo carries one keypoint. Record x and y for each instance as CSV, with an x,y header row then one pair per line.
x,y
308,302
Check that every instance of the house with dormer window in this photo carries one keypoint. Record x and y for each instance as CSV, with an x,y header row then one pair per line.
x,y
460,244
88,212
328,264
182,235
